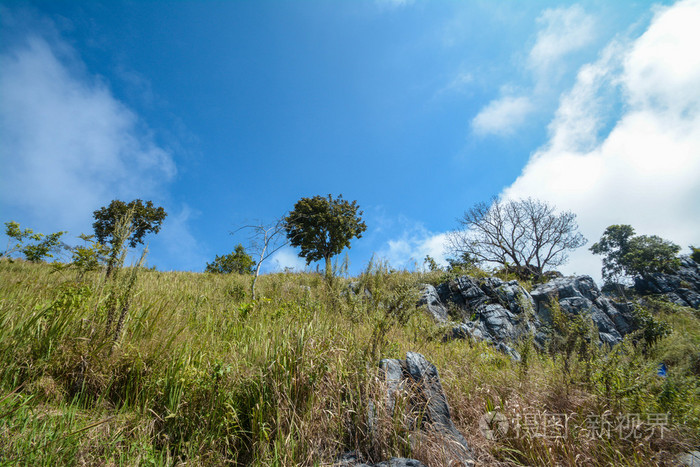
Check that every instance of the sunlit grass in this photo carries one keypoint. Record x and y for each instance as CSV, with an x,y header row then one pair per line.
x,y
204,375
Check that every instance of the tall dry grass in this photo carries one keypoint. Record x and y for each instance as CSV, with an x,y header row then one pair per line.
x,y
203,375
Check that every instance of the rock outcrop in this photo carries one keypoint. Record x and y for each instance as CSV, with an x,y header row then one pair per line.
x,y
418,380
681,287
352,459
577,295
431,300
502,312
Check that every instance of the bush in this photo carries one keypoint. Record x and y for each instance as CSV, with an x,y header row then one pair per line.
x,y
239,262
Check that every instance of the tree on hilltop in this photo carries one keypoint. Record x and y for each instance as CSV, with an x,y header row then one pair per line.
x,y
238,262
627,254
138,219
146,218
525,235
322,227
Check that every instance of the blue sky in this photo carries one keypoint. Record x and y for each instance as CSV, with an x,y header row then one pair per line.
x,y
226,113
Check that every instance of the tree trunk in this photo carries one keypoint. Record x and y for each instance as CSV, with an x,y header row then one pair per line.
x,y
329,268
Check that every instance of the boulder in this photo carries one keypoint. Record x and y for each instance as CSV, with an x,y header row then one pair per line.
x,y
682,287
418,379
352,459
690,459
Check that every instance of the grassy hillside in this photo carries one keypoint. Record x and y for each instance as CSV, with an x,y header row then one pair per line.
x,y
201,375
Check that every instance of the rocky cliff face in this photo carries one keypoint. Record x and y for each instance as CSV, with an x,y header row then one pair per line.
x,y
681,288
502,312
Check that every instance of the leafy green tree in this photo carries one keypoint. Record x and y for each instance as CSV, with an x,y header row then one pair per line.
x,y
322,227
44,246
614,244
634,255
648,254
145,218
239,262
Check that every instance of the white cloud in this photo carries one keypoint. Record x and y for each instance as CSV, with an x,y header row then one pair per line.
x,y
413,246
286,258
502,116
460,83
562,31
646,171
393,3
68,145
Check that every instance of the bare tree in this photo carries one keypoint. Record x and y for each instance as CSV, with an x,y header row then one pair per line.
x,y
264,241
525,234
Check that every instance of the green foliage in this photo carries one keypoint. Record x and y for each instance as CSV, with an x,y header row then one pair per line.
x,y
695,254
648,254
463,262
89,257
238,262
650,328
322,227
145,218
44,246
634,255
431,264
571,335
613,244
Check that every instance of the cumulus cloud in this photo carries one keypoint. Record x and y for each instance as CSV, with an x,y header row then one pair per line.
x,y
68,144
561,32
645,171
411,248
502,116
286,258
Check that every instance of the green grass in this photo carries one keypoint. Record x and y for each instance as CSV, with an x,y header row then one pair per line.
x,y
201,375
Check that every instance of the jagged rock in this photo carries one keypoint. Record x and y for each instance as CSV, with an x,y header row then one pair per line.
x,y
492,310
681,287
419,378
431,299
576,295
690,459
352,459
508,350
354,288
504,312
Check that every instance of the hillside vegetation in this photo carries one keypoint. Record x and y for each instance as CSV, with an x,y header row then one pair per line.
x,y
202,375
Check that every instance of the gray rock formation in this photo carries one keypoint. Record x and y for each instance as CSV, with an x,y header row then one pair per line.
x,y
417,378
352,459
690,459
681,287
576,295
431,300
501,312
